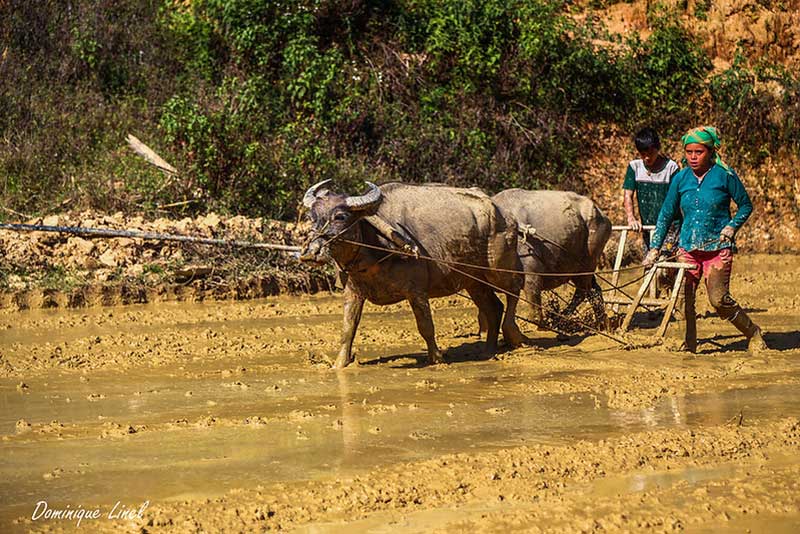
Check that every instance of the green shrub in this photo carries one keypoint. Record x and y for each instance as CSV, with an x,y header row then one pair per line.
x,y
253,101
667,70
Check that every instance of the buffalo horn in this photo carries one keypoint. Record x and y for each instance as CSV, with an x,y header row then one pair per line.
x,y
365,201
311,194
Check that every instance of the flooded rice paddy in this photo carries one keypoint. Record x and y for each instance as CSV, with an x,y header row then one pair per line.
x,y
225,416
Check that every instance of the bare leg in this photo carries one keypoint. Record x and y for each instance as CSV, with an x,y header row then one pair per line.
x,y
422,313
353,306
718,284
690,338
491,309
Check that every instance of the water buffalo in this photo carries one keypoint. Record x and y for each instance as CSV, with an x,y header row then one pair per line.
x,y
446,223
561,232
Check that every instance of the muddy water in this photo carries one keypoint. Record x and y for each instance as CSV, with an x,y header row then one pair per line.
x,y
178,403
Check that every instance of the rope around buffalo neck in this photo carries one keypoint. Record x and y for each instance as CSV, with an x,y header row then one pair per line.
x,y
512,271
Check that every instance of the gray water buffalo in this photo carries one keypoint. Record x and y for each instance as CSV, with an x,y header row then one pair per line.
x,y
560,232
445,223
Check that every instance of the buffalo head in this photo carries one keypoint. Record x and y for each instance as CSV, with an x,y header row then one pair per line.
x,y
333,216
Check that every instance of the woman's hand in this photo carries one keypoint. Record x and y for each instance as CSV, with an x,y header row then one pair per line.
x,y
651,257
726,235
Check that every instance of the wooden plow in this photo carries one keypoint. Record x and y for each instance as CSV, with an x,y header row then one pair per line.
x,y
648,287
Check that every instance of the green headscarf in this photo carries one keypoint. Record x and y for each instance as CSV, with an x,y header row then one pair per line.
x,y
707,136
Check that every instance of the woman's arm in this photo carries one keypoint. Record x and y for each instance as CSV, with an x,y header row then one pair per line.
x,y
744,207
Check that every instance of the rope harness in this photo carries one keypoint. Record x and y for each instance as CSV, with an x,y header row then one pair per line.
x,y
454,265
135,234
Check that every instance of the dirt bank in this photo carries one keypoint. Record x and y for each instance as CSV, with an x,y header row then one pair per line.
x,y
46,270
765,30
225,416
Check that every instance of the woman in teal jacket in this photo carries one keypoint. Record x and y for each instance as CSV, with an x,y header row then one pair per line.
x,y
702,191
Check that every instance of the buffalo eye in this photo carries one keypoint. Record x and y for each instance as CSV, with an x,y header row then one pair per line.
x,y
340,216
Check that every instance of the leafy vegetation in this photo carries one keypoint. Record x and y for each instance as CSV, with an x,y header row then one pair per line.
x,y
254,100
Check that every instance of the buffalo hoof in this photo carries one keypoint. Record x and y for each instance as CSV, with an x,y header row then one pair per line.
x,y
341,363
517,340
436,357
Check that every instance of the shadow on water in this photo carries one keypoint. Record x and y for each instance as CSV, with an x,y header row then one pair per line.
x,y
472,352
466,352
651,319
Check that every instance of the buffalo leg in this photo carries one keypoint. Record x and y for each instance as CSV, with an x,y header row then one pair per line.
x,y
491,309
422,313
580,294
482,326
598,305
533,291
511,331
353,306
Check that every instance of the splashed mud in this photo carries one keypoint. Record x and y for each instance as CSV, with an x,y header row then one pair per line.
x,y
226,417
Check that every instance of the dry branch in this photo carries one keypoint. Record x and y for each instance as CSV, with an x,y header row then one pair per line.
x,y
147,153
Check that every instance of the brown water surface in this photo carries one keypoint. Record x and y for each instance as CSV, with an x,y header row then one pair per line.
x,y
178,403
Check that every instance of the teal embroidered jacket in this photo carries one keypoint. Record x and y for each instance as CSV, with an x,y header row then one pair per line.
x,y
706,208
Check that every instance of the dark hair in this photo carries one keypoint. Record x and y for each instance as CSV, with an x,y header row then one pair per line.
x,y
646,138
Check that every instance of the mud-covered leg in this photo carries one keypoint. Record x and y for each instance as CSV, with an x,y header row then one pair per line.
x,y
533,292
598,305
353,306
690,336
717,284
422,313
583,286
483,326
492,310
